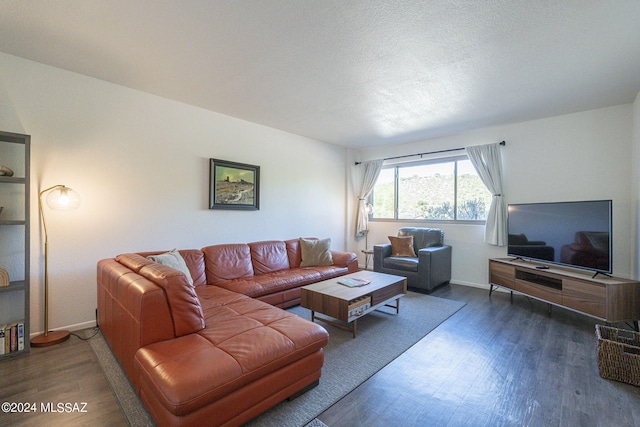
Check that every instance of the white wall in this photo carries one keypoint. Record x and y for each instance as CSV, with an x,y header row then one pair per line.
x,y
635,186
581,156
141,165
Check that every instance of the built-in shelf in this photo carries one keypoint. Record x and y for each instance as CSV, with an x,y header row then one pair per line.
x,y
11,222
12,179
14,241
13,286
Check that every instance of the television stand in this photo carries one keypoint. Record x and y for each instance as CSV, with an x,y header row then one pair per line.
x,y
600,272
606,298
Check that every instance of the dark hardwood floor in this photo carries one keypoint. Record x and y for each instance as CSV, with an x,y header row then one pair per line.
x,y
67,374
494,364
491,364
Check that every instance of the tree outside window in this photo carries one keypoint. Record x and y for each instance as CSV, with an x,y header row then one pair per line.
x,y
444,190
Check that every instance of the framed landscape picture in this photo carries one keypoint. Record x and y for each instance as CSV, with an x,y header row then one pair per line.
x,y
234,185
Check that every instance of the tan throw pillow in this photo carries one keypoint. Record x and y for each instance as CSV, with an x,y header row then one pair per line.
x,y
402,246
315,252
173,259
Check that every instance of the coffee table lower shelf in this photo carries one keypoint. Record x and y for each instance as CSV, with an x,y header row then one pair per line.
x,y
352,325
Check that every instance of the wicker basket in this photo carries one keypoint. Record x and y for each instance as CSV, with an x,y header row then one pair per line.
x,y
618,354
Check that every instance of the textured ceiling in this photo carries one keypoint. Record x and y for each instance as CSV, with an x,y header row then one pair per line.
x,y
355,73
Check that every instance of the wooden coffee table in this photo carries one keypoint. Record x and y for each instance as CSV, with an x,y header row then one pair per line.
x,y
346,305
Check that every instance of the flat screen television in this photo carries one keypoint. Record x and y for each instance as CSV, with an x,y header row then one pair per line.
x,y
575,234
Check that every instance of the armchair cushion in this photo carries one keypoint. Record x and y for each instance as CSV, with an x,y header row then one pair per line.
x,y
401,263
402,246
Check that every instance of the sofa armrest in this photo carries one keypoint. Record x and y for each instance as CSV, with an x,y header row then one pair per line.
x,y
132,311
141,302
186,311
345,259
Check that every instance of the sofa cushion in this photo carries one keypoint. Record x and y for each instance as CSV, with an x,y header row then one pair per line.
x,y
268,257
315,252
328,271
265,284
279,281
184,304
402,246
293,252
173,259
195,262
227,262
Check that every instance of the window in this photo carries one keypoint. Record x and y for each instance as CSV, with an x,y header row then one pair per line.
x,y
442,190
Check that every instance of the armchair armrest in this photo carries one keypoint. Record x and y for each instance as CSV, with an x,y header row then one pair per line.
x,y
434,254
434,265
380,252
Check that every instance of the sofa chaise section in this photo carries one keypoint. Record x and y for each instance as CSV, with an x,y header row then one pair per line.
x,y
249,357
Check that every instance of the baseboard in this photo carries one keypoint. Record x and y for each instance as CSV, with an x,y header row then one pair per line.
x,y
480,286
470,284
460,282
75,327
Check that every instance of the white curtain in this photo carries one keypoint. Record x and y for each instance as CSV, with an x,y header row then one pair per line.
x,y
488,163
369,177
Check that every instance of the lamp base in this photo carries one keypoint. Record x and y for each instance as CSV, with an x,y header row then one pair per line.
x,y
51,338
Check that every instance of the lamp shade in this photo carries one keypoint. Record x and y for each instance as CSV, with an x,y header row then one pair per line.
x,y
63,198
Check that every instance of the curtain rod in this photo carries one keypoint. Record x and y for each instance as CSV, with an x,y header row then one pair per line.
x,y
424,154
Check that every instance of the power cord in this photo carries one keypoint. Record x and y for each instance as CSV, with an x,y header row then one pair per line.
x,y
96,330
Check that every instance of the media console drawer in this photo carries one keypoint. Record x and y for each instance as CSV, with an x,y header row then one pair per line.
x,y
501,274
607,298
585,296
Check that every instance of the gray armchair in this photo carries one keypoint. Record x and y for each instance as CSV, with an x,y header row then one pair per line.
x,y
431,267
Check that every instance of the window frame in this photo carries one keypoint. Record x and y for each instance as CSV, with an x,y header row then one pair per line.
x,y
397,166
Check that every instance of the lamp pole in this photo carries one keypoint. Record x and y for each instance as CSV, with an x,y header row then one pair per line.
x,y
65,199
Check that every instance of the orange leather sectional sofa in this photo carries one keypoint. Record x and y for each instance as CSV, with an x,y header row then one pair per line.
x,y
216,351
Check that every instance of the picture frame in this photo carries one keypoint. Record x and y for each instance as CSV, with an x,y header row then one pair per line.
x,y
234,186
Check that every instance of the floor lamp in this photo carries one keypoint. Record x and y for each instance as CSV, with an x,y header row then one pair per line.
x,y
368,208
59,198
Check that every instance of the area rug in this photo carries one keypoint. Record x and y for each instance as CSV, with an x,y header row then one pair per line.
x,y
131,405
381,337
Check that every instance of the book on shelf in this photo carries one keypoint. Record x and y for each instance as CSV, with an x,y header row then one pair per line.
x,y
20,336
14,337
11,337
353,282
7,338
